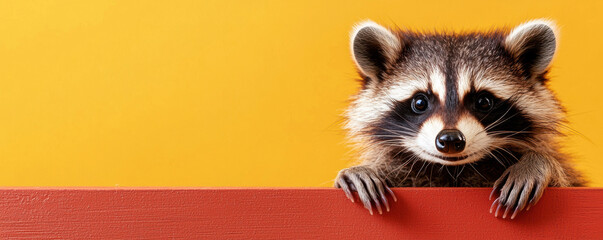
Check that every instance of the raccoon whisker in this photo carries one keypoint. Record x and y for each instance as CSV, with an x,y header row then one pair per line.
x,y
515,96
404,164
459,174
494,133
389,146
420,169
520,144
387,135
505,101
479,137
502,163
407,130
403,118
398,131
382,172
394,142
409,171
478,173
397,137
489,150
449,173
498,121
502,156
509,134
400,135
505,135
389,143
497,148
441,168
567,127
430,174
398,153
408,161
498,160
517,143
398,169
488,114
505,141
429,164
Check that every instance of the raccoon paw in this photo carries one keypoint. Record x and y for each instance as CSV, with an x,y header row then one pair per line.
x,y
369,186
519,187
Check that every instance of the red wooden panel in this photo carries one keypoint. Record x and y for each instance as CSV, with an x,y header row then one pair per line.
x,y
426,213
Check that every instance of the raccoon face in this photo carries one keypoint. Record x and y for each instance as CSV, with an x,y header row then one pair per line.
x,y
453,98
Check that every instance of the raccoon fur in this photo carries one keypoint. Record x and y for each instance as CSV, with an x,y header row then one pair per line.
x,y
456,110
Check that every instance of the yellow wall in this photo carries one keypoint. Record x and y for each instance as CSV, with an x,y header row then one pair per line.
x,y
212,93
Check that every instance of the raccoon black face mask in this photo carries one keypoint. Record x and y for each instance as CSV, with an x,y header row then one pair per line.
x,y
448,110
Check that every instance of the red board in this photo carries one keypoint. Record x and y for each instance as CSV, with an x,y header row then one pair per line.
x,y
424,213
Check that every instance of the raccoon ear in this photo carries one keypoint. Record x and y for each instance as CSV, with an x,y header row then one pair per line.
x,y
533,43
373,48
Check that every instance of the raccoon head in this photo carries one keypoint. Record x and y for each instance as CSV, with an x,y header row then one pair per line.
x,y
453,98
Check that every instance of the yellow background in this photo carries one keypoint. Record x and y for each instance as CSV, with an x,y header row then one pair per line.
x,y
219,93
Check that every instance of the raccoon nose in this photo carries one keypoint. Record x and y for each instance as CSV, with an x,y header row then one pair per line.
x,y
450,141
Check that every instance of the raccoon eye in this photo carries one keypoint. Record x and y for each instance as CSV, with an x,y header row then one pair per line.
x,y
484,103
420,103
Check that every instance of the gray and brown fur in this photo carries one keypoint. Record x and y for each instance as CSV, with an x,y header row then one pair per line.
x,y
491,87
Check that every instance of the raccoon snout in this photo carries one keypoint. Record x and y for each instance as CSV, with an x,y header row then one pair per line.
x,y
450,141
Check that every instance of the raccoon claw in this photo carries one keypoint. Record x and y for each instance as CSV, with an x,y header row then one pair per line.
x,y
370,188
517,191
346,188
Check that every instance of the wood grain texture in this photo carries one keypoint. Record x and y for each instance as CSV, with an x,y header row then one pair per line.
x,y
420,213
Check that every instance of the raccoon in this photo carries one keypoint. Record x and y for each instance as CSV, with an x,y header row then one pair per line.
x,y
456,110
